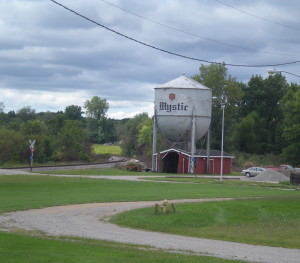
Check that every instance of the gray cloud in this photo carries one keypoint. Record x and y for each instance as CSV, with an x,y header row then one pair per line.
x,y
49,52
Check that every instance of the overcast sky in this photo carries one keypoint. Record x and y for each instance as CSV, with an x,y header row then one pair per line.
x,y
51,58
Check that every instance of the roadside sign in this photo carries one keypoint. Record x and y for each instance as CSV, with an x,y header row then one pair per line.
x,y
32,149
31,144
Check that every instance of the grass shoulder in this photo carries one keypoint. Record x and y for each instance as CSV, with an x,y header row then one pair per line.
x,y
17,248
235,182
271,222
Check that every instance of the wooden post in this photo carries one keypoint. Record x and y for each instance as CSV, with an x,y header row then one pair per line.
x,y
31,147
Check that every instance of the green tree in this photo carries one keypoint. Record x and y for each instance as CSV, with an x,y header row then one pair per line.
x,y
145,133
26,114
2,115
225,89
92,129
73,112
1,107
96,107
263,96
45,116
107,132
72,143
55,124
250,134
291,124
10,117
120,127
34,127
145,139
130,144
37,130
13,146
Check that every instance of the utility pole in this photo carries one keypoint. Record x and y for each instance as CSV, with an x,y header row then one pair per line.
x,y
208,152
222,143
32,149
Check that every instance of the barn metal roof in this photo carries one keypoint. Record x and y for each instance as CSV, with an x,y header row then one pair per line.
x,y
183,82
201,153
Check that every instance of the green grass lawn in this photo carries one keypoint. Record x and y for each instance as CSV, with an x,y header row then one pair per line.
x,y
106,149
16,248
271,222
33,191
22,192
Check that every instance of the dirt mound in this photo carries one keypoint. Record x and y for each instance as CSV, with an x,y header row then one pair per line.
x,y
269,175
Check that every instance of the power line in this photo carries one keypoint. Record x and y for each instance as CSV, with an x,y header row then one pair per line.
x,y
196,35
261,18
170,52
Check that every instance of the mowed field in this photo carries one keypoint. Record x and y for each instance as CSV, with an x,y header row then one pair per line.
x,y
21,192
106,149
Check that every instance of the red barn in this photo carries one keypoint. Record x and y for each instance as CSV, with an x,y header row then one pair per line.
x,y
178,161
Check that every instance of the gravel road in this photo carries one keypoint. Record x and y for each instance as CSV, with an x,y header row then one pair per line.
x,y
90,221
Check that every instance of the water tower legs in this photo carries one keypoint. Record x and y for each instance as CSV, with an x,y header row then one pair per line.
x,y
154,168
192,163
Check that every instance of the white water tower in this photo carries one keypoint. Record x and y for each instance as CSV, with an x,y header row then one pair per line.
x,y
182,111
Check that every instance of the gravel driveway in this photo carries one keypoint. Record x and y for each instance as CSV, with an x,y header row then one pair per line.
x,y
90,221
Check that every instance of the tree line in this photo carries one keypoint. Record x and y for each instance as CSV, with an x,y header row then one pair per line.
x,y
261,116
61,136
